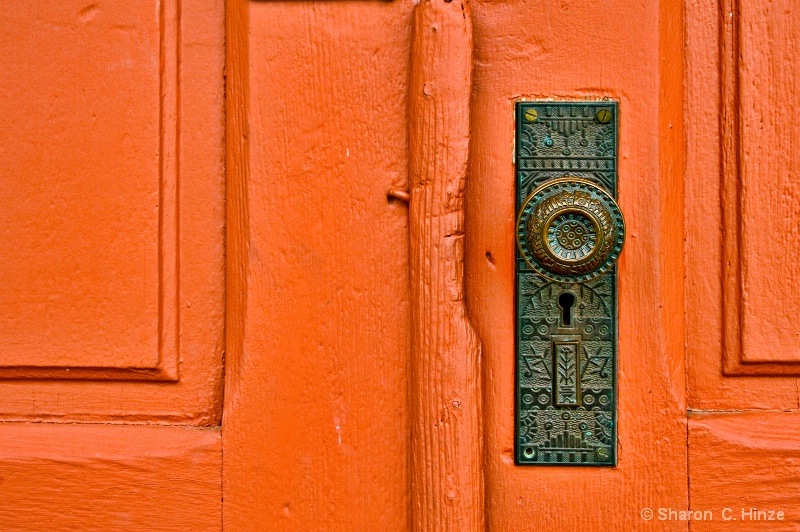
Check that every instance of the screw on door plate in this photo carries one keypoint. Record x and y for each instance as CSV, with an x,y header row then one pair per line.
x,y
604,116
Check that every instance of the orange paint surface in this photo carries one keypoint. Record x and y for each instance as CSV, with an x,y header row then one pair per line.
x,y
106,477
183,179
547,53
112,212
764,181
316,427
79,213
747,462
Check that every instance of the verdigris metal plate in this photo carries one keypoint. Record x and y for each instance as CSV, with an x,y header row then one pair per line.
x,y
566,333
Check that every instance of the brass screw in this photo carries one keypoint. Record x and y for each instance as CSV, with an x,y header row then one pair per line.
x,y
531,115
604,116
602,454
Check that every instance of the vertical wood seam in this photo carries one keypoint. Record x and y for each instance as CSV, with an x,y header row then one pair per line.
x,y
237,227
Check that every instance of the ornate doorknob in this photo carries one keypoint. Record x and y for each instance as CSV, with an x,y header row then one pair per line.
x,y
570,230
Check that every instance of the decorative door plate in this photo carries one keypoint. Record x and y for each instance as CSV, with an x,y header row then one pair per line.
x,y
570,233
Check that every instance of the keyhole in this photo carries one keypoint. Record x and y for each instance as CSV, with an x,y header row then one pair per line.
x,y
566,301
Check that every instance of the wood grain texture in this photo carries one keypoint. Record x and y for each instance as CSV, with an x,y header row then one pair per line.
x,y
106,477
445,380
743,461
97,140
710,85
632,52
315,430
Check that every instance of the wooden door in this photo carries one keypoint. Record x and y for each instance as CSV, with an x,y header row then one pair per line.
x,y
112,202
741,262
632,53
258,264
372,368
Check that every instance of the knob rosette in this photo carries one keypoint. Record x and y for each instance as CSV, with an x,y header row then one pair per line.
x,y
570,230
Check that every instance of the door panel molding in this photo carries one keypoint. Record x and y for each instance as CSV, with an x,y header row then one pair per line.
x,y
760,82
76,340
718,379
174,376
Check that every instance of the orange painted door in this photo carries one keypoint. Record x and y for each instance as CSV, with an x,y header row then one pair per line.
x,y
258,257
370,362
371,372
112,281
742,219
630,52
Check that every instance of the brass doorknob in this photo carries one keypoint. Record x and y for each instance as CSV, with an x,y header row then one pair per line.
x,y
570,230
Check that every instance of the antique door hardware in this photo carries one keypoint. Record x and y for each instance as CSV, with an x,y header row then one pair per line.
x,y
570,230
570,233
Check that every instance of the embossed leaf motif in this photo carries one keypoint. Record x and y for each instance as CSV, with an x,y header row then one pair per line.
x,y
597,364
535,360
538,294
535,366
596,298
566,367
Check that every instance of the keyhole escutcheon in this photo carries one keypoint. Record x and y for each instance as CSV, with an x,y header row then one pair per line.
x,y
566,301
